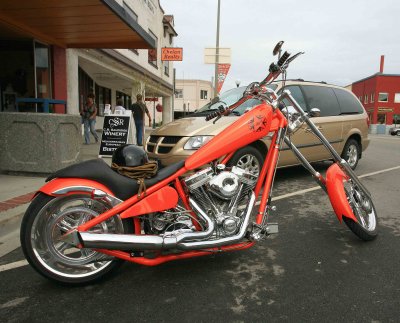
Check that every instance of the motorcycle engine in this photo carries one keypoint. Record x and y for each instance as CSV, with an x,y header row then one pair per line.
x,y
223,194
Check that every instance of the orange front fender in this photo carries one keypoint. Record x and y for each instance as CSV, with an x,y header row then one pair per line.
x,y
337,195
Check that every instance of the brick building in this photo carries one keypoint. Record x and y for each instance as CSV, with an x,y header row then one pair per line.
x,y
380,96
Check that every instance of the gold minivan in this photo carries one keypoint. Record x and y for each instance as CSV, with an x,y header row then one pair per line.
x,y
343,122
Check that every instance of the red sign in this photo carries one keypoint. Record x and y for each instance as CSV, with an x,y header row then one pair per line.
x,y
151,99
152,55
223,70
171,53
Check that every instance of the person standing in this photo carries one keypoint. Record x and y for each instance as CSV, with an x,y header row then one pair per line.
x,y
139,109
88,113
119,109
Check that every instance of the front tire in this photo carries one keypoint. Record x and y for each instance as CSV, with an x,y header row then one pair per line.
x,y
365,212
247,158
47,219
351,153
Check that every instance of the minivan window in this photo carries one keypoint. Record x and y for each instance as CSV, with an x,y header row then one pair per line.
x,y
296,93
348,103
322,98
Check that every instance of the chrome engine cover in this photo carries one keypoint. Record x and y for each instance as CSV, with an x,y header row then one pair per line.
x,y
225,185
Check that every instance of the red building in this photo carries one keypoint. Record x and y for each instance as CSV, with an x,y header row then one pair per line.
x,y
380,96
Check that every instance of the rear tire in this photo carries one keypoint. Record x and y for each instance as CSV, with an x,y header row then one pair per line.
x,y
365,212
46,219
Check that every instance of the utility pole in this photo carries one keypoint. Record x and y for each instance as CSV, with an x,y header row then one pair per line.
x,y
217,54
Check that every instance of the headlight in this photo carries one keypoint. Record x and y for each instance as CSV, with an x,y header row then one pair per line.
x,y
196,142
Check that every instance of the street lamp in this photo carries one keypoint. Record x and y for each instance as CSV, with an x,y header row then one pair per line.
x,y
237,82
217,53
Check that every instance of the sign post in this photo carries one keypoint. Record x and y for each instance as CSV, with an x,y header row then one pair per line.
x,y
116,132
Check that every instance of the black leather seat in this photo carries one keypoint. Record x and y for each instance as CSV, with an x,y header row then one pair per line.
x,y
123,187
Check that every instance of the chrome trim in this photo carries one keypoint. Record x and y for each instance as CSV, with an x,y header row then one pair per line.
x,y
97,194
66,190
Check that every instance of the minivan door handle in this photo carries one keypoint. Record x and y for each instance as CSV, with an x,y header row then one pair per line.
x,y
309,129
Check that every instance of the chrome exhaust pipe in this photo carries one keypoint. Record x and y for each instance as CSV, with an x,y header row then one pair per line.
x,y
183,241
223,241
145,242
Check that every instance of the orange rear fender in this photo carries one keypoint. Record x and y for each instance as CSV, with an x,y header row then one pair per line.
x,y
65,186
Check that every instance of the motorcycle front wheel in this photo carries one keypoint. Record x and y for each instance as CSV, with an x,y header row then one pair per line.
x,y
47,219
365,212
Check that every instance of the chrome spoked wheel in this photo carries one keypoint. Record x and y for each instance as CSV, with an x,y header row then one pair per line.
x,y
250,163
57,259
364,210
351,153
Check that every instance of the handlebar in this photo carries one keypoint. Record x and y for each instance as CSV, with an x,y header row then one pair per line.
x,y
257,90
283,59
221,110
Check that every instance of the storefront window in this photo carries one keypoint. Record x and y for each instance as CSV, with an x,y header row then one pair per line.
x,y
42,66
85,86
103,96
381,118
396,119
125,98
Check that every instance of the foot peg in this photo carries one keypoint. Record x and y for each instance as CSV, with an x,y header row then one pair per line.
x,y
258,232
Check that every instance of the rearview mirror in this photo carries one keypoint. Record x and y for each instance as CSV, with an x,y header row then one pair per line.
x,y
314,112
277,48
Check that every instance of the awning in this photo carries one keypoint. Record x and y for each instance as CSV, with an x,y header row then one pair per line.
x,y
74,23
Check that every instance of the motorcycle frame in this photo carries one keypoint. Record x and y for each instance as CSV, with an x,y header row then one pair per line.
x,y
265,181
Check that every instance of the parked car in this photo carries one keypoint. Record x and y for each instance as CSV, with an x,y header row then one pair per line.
x,y
343,121
394,131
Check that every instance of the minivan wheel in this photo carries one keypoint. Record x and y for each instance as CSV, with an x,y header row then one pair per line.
x,y
248,158
351,153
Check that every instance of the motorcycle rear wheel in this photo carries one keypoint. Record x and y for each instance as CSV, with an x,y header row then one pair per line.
x,y
365,212
47,219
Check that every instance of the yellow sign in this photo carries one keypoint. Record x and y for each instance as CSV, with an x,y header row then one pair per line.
x,y
171,54
385,110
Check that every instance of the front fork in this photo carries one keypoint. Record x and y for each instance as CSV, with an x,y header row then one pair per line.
x,y
336,174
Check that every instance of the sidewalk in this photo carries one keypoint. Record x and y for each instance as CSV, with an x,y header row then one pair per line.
x,y
16,192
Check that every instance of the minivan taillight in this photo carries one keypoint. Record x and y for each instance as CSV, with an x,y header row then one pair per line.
x,y
368,121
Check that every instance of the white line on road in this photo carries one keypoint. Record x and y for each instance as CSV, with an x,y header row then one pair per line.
x,y
13,265
21,263
280,197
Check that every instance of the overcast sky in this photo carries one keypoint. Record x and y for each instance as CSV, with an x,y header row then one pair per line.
x,y
343,39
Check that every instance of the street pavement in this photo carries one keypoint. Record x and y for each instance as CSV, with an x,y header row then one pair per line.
x,y
314,270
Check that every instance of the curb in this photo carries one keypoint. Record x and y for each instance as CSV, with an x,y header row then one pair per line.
x,y
11,212
14,202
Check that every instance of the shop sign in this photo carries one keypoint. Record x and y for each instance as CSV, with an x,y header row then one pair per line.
x,y
171,53
385,110
115,133
151,99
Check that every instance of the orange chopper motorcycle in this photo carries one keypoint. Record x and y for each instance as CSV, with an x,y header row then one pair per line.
x,y
87,219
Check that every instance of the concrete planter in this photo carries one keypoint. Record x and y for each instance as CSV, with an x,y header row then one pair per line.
x,y
39,142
